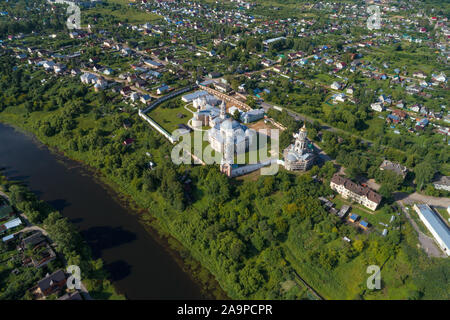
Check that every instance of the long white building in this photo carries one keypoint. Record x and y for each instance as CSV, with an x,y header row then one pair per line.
x,y
435,225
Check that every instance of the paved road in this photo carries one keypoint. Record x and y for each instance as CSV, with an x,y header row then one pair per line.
x,y
299,117
415,197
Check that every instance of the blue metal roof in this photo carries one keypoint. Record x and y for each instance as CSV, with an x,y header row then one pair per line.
x,y
195,95
393,116
4,239
436,223
364,223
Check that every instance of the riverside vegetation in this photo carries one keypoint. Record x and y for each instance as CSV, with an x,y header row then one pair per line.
x,y
69,244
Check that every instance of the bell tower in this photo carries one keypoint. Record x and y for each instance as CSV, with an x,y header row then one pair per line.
x,y
300,140
223,110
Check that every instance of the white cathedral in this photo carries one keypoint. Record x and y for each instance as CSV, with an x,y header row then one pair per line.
x,y
299,156
223,128
227,131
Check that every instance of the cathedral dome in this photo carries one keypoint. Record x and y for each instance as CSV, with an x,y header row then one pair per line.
x,y
303,129
291,157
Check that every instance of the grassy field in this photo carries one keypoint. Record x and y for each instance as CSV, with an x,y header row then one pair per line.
x,y
168,117
329,285
420,56
124,12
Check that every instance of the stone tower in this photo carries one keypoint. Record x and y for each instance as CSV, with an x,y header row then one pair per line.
x,y
223,110
300,140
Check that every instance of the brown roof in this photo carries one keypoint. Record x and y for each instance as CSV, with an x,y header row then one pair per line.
x,y
55,277
356,188
400,113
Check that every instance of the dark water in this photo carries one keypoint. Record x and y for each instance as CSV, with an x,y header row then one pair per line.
x,y
140,267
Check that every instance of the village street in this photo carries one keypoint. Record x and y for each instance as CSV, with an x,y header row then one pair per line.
x,y
417,197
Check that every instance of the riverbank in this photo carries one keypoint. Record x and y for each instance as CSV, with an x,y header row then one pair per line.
x,y
43,218
208,284
118,192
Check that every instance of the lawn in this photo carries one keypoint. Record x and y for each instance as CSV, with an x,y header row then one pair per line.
x,y
168,118
126,13
404,58
373,217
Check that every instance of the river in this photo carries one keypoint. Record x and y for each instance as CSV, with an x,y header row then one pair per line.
x,y
140,267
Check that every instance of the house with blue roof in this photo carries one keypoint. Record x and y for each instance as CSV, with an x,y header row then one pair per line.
x,y
392,118
421,124
353,217
162,89
364,224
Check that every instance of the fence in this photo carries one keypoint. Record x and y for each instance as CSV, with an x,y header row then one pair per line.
x,y
153,123
156,126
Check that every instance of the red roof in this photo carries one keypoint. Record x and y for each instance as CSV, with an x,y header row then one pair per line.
x,y
128,141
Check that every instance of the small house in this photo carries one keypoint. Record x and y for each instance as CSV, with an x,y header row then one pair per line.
x,y
353,218
162,89
128,142
364,224
145,98
344,210
52,283
125,90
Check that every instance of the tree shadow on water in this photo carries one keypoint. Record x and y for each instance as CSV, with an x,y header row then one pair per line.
x,y
118,270
59,204
76,220
105,237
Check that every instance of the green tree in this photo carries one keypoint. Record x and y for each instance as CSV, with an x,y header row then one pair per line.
x,y
236,115
424,172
